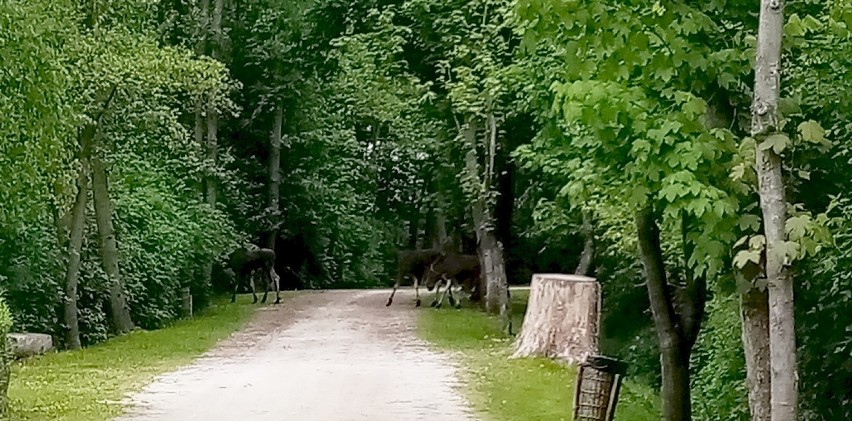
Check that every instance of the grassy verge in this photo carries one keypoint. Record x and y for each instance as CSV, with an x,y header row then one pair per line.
x,y
88,385
504,389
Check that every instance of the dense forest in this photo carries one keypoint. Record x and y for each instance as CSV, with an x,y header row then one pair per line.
x,y
655,145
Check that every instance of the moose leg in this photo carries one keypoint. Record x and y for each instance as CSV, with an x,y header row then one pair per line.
x,y
253,289
266,276
449,283
438,286
450,293
234,295
457,301
395,286
416,292
276,281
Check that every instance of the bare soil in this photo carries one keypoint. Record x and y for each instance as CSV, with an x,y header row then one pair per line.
x,y
324,356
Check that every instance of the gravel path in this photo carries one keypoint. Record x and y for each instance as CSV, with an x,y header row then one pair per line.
x,y
324,356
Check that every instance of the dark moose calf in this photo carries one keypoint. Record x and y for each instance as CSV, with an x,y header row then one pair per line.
x,y
459,269
245,265
413,264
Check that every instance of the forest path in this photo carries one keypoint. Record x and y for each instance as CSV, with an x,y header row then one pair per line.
x,y
324,356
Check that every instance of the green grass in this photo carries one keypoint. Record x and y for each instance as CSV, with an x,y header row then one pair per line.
x,y
505,389
88,385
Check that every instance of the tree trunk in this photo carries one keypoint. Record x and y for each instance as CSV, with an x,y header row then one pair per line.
x,y
200,120
275,172
75,245
754,309
203,24
413,228
674,365
490,250
563,318
212,113
216,29
674,356
782,335
212,152
587,256
497,298
120,312
438,219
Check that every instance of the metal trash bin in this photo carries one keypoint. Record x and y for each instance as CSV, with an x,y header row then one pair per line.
x,y
598,385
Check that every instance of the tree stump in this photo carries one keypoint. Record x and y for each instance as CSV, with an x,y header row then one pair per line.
x,y
562,319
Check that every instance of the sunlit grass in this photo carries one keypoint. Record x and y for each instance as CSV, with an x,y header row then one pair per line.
x,y
89,384
505,389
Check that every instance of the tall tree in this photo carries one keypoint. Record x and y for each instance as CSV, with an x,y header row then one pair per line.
x,y
119,309
216,45
275,170
773,204
75,248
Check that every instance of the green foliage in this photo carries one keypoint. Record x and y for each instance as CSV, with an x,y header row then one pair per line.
x,y
66,76
89,384
823,316
719,365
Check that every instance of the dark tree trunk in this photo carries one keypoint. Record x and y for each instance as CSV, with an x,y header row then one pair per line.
x,y
674,363
587,256
675,344
413,227
75,245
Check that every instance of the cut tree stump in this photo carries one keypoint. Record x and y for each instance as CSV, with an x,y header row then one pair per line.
x,y
562,319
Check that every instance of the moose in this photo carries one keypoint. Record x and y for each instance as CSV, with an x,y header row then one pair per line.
x,y
251,266
413,264
455,270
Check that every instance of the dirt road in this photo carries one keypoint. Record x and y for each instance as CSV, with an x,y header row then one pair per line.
x,y
323,356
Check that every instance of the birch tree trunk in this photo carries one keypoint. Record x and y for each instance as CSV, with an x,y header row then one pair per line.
x,y
75,245
765,117
754,310
490,250
120,312
275,171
